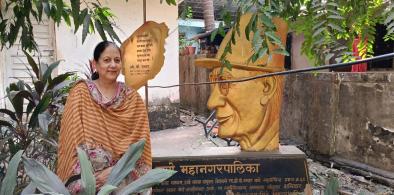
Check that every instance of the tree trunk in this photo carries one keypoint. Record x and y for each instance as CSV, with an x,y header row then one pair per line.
x,y
209,17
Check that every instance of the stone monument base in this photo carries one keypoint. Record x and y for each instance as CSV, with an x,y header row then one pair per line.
x,y
228,170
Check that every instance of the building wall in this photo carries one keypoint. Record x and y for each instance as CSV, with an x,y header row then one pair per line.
x,y
13,62
129,16
192,27
2,80
298,60
163,103
349,115
169,75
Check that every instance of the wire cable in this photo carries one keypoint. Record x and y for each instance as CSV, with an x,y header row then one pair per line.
x,y
338,65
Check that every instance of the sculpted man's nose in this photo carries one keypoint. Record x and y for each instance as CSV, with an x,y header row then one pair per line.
x,y
216,99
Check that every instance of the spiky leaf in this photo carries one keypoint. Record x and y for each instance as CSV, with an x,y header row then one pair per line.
x,y
33,64
127,163
45,179
100,30
6,124
59,79
151,178
332,187
29,189
9,181
75,8
213,34
49,71
85,27
9,113
87,177
106,189
41,107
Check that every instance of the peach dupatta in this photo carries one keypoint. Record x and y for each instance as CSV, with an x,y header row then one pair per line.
x,y
85,121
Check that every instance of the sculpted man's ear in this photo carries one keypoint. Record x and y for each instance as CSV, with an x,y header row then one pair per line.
x,y
269,88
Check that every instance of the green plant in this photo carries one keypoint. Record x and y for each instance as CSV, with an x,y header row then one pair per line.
x,y
329,26
187,13
32,124
183,42
16,19
45,181
332,186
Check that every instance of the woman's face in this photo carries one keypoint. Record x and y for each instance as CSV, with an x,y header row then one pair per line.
x,y
109,63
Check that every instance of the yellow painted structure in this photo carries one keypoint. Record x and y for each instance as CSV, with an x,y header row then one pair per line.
x,y
143,53
248,112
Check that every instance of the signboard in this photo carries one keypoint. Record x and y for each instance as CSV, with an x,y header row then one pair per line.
x,y
143,53
239,175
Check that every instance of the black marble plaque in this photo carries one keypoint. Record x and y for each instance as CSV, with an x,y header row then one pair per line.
x,y
240,173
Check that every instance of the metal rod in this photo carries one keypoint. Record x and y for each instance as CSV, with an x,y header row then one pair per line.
x,y
146,85
144,5
338,65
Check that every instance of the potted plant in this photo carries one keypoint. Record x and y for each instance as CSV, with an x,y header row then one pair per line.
x,y
189,46
182,46
186,46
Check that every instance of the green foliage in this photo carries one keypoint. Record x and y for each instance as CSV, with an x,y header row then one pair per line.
x,y
183,42
57,10
46,181
329,27
389,22
187,12
43,178
332,186
322,31
16,19
106,189
126,163
33,121
40,96
263,13
169,2
87,175
9,182
153,177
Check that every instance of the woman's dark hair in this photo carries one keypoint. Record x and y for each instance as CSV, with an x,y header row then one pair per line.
x,y
98,51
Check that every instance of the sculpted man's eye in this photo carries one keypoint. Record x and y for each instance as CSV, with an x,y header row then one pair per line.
x,y
212,77
224,88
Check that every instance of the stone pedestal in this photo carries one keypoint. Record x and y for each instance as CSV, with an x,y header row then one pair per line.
x,y
227,170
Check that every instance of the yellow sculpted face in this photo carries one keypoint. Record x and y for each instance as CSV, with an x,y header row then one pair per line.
x,y
240,107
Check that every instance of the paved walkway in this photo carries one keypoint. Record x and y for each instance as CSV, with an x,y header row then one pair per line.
x,y
184,138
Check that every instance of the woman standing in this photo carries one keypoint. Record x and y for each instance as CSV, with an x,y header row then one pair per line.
x,y
103,117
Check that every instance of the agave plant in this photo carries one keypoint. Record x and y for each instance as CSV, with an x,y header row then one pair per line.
x,y
45,181
31,124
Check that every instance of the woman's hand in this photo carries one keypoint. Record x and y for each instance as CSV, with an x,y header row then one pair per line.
x,y
102,176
